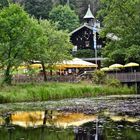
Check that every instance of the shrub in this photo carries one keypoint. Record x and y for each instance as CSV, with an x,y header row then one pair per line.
x,y
84,53
99,77
112,82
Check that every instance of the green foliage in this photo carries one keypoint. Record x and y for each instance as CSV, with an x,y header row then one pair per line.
x,y
3,3
122,19
65,18
38,8
23,39
82,5
98,77
111,82
18,37
115,54
86,53
117,91
35,134
72,3
133,54
55,45
54,91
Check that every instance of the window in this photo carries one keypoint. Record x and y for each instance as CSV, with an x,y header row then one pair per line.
x,y
74,49
87,44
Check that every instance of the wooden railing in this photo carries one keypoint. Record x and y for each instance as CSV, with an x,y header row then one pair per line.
x,y
126,77
123,77
38,78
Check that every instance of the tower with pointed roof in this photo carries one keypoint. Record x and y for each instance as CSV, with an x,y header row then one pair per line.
x,y
89,17
82,39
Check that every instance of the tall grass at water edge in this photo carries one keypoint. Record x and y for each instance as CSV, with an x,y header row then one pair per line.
x,y
56,91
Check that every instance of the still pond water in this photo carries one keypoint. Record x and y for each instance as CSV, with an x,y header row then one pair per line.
x,y
65,124
68,126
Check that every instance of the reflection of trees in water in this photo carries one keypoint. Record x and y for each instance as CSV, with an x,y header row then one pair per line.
x,y
7,124
88,134
46,117
121,130
107,130
36,133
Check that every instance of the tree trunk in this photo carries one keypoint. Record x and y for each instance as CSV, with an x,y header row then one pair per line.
x,y
50,72
7,76
44,71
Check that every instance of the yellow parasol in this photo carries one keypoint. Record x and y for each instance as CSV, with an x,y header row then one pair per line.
x,y
131,64
109,69
59,66
116,66
22,67
35,65
104,69
77,63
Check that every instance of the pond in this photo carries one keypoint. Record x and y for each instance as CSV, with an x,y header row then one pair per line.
x,y
107,118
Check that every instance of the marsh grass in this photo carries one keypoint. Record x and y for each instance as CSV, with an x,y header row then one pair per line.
x,y
56,91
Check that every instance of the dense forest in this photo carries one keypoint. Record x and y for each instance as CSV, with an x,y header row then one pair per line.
x,y
120,18
41,8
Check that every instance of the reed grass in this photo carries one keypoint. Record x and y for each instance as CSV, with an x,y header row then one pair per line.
x,y
56,91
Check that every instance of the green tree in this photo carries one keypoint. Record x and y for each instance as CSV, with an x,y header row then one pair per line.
x,y
38,8
54,46
4,3
18,37
82,6
122,19
65,17
71,3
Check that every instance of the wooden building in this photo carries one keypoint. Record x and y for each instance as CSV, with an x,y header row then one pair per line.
x,y
85,37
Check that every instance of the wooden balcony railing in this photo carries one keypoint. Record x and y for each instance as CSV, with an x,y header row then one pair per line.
x,y
38,79
123,77
126,77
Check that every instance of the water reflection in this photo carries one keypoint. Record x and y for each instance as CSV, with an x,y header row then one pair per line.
x,y
48,118
53,125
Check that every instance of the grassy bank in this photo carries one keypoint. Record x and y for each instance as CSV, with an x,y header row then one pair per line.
x,y
55,91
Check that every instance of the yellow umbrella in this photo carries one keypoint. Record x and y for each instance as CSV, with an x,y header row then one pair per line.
x,y
104,69
59,66
22,67
131,64
77,63
35,65
109,69
116,66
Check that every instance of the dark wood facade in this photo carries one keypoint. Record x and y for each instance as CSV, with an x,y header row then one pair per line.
x,y
83,38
